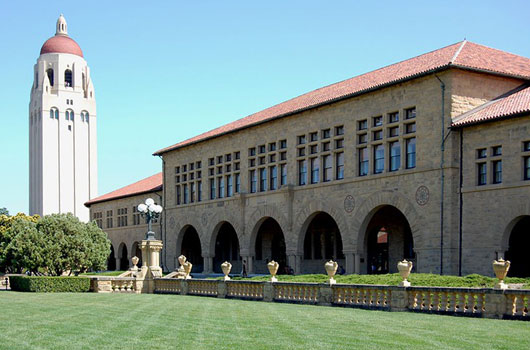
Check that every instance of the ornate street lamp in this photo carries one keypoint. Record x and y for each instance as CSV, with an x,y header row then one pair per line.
x,y
150,211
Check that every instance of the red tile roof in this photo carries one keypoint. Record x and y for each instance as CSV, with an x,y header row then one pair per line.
x,y
150,184
512,104
464,54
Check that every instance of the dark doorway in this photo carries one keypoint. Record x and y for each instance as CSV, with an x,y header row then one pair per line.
x,y
270,245
124,260
322,242
191,249
227,248
137,251
389,240
518,251
111,261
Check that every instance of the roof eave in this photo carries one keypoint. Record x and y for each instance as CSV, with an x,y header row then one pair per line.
x,y
490,120
91,202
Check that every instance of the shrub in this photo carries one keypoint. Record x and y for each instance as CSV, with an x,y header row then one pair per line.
x,y
46,284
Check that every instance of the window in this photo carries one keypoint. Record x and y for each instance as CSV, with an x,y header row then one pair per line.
x,y
526,166
283,155
313,136
339,130
363,161
261,160
273,170
362,125
221,187
363,138
185,198
272,158
211,161
377,121
496,151
136,216
339,166
395,155
192,166
325,146
482,173
69,115
237,155
109,219
185,168
379,159
283,144
411,153
301,139
229,186
49,73
219,159
410,128
68,78
526,146
326,134
262,179
328,168
238,182
497,171
228,168
122,217
272,147
302,172
378,135
54,113
482,153
410,113
228,157
211,171
283,174
192,192
252,151
301,152
339,144
261,149
212,189
315,170
199,191
393,117
177,190
252,163
313,149
253,181
393,132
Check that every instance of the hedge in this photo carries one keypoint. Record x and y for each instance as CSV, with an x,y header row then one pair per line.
x,y
47,284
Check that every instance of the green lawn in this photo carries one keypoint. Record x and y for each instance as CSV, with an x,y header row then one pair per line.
x,y
121,321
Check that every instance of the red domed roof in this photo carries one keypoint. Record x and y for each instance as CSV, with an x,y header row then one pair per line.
x,y
61,44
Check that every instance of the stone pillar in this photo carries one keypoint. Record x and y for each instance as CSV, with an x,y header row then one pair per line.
x,y
350,261
357,264
399,299
118,263
496,304
150,264
294,260
268,292
250,264
208,264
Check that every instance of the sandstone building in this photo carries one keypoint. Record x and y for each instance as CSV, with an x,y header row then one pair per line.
x,y
427,159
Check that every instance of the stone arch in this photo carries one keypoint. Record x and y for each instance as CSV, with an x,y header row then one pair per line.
x,y
307,214
137,251
522,210
111,260
372,204
211,229
123,256
517,248
256,219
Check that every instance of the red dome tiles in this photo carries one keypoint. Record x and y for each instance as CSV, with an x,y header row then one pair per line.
x,y
61,44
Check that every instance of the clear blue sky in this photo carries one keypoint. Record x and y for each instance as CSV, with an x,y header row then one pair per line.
x,y
165,71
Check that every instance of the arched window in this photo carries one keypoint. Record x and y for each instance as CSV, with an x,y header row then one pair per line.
x,y
69,115
49,72
84,116
68,78
54,112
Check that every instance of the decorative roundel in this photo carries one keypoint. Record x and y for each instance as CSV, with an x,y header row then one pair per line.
x,y
349,203
172,223
204,219
422,195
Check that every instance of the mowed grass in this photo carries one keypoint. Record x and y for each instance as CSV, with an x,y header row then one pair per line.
x,y
122,321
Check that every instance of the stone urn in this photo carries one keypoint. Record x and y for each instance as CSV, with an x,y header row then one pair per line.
x,y
135,260
501,267
273,269
181,271
226,267
187,269
404,268
331,269
182,259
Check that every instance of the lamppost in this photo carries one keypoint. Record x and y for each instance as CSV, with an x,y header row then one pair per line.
x,y
150,211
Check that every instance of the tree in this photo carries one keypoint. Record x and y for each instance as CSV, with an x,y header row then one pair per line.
x,y
73,245
11,226
4,211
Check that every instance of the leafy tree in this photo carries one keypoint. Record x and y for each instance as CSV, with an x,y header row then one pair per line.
x,y
27,249
10,226
4,211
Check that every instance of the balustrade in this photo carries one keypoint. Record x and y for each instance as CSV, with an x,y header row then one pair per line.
x,y
202,287
447,300
517,303
168,286
250,290
297,292
361,296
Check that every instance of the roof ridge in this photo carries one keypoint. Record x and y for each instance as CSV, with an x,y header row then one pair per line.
x,y
455,56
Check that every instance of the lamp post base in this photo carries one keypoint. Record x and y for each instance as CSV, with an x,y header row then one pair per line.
x,y
150,236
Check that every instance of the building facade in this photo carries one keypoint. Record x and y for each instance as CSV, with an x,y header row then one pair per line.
x,y
62,129
384,166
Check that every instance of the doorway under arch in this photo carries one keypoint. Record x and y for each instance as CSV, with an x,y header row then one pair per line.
x,y
322,242
137,251
111,260
388,239
226,248
124,260
519,244
191,249
270,245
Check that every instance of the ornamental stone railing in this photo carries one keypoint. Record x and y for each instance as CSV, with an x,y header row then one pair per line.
x,y
116,285
473,302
